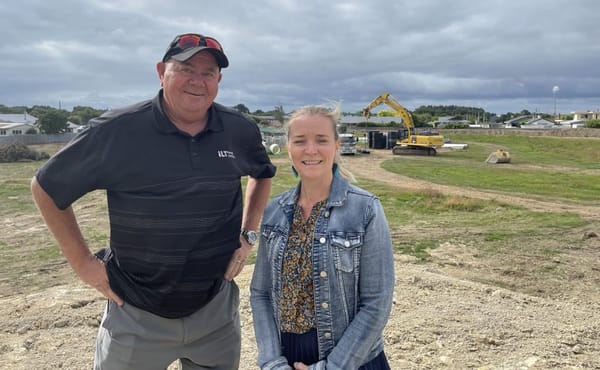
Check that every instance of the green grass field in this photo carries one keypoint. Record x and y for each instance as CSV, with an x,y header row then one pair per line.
x,y
540,166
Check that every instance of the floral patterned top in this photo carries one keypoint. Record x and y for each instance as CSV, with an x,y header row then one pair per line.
x,y
297,303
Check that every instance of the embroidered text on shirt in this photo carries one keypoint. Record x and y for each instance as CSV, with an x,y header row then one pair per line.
x,y
225,154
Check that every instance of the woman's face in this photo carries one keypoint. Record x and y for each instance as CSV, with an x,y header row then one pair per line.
x,y
312,146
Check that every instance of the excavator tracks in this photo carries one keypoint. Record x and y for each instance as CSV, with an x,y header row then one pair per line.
x,y
413,150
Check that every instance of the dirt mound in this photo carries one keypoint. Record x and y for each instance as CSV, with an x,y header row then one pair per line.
x,y
18,152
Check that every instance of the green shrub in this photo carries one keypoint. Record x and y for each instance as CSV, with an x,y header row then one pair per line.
x,y
593,123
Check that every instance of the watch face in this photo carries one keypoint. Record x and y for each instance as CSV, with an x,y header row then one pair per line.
x,y
250,236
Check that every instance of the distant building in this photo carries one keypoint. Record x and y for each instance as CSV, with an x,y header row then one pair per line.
x,y
573,123
444,121
17,124
585,115
18,118
517,121
272,135
539,123
8,129
73,127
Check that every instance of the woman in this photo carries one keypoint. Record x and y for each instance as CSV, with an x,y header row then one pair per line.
x,y
322,287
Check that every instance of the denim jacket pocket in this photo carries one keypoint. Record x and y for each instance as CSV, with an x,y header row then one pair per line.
x,y
273,238
346,251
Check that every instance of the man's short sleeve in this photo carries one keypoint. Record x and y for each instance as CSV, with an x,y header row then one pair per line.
x,y
73,171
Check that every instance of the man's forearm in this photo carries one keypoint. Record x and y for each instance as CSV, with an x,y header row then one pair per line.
x,y
63,226
257,195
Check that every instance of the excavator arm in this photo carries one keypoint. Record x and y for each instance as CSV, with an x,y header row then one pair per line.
x,y
390,101
412,144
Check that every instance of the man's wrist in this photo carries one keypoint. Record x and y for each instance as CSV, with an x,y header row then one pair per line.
x,y
250,236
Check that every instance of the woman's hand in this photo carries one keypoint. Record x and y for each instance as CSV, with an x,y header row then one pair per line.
x,y
300,366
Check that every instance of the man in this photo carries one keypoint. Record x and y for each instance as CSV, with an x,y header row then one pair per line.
x,y
171,168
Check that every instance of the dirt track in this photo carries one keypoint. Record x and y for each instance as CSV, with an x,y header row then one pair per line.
x,y
439,319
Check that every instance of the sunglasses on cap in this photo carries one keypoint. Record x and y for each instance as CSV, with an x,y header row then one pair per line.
x,y
187,45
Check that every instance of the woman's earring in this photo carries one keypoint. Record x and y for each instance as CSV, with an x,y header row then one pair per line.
x,y
336,169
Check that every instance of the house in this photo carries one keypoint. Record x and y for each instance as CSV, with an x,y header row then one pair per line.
x,y
443,121
573,123
585,116
517,121
538,123
10,128
18,118
16,124
73,127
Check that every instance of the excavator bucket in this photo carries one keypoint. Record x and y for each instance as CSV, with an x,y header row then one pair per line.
x,y
499,156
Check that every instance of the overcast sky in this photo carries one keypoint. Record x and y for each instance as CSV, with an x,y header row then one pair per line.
x,y
499,55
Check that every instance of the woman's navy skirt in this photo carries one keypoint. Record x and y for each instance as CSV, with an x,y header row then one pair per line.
x,y
304,348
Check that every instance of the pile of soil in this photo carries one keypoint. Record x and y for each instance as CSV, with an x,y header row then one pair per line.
x,y
16,152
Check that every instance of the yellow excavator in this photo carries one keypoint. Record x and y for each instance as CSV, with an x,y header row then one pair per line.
x,y
410,143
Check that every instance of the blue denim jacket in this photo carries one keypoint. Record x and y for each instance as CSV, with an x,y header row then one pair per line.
x,y
353,278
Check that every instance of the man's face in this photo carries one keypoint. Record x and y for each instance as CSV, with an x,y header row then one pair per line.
x,y
190,87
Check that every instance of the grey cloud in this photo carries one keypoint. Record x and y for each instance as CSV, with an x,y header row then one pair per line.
x,y
504,55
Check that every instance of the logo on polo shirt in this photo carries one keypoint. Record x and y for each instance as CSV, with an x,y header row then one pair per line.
x,y
225,154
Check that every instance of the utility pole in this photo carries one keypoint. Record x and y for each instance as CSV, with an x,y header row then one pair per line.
x,y
554,91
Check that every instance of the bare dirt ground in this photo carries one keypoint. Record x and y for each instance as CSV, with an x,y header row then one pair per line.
x,y
441,318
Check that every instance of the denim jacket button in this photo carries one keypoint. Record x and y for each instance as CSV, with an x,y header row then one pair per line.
x,y
347,243
325,305
327,335
322,240
323,274
326,213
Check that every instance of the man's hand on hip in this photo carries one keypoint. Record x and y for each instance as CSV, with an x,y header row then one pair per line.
x,y
93,272
238,260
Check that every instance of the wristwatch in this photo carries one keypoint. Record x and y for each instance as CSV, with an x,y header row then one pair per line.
x,y
250,235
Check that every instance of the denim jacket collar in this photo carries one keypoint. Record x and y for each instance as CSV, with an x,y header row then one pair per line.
x,y
337,194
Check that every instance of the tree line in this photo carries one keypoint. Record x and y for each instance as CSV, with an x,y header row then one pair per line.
x,y
52,120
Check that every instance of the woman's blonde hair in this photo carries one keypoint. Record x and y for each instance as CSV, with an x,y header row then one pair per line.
x,y
333,114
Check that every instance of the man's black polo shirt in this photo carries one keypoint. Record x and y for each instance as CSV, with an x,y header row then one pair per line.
x,y
175,201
